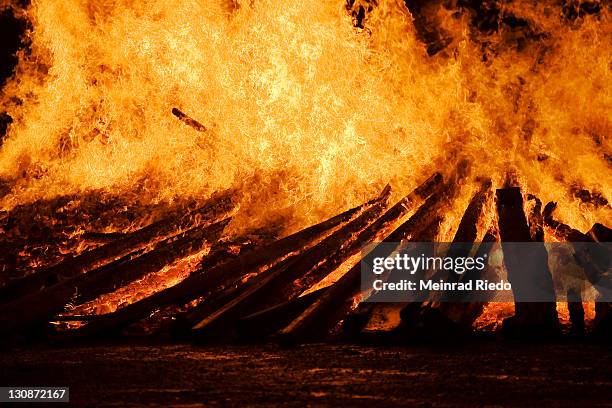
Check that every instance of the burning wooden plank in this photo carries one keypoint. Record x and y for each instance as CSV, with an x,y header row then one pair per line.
x,y
449,312
36,309
274,287
562,232
536,220
379,226
454,314
113,276
316,321
223,275
467,231
215,208
355,323
530,317
287,281
594,268
576,311
221,299
600,233
172,319
262,324
188,120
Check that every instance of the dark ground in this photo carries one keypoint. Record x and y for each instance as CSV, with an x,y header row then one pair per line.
x,y
481,374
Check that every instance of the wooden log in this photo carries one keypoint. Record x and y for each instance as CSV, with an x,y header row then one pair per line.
x,y
600,233
562,231
111,277
224,251
102,237
530,318
272,288
260,325
188,120
380,226
536,219
576,311
454,314
203,282
74,318
231,248
36,309
316,321
594,263
467,231
287,272
291,280
217,300
427,234
593,266
574,297
215,208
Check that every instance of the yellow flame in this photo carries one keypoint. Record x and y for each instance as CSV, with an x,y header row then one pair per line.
x,y
310,114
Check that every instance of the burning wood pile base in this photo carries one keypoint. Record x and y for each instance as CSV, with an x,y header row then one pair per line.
x,y
301,288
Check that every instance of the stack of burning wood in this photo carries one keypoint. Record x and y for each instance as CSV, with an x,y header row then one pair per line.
x,y
274,290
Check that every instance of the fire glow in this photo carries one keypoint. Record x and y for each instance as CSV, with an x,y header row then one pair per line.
x,y
306,109
312,114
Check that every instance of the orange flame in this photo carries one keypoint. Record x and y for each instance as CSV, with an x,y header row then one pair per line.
x,y
310,113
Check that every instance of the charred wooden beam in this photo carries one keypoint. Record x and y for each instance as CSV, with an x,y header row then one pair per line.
x,y
293,278
603,320
562,231
227,297
272,288
215,208
74,318
102,237
112,277
223,251
600,233
593,267
576,311
408,311
231,248
217,299
536,219
203,282
467,231
188,120
260,325
535,318
454,313
593,261
316,321
461,246
37,308
380,226
412,314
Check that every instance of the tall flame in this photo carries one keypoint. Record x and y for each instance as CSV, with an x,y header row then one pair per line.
x,y
310,113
